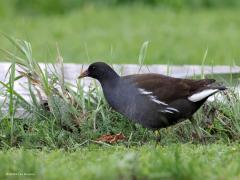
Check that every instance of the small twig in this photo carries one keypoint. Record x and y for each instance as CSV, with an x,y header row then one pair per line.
x,y
129,139
84,142
100,142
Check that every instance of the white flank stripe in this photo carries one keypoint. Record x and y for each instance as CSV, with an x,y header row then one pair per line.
x,y
153,98
201,95
168,111
142,91
172,109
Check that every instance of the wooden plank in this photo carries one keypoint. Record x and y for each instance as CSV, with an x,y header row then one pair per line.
x,y
72,70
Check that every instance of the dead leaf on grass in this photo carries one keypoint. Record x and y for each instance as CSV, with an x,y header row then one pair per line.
x,y
111,138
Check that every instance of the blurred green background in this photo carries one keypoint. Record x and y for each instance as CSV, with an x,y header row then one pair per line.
x,y
178,31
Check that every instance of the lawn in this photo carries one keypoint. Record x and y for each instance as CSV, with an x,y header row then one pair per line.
x,y
116,34
176,161
58,138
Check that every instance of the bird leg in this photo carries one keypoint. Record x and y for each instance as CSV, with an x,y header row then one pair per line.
x,y
197,129
158,137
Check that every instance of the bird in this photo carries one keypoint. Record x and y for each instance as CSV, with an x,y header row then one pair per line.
x,y
153,100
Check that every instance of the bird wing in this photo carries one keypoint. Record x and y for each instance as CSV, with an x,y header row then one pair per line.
x,y
166,89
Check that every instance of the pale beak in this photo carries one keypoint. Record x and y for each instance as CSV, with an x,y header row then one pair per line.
x,y
83,74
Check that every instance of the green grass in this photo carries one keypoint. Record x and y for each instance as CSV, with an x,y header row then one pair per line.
x,y
60,142
61,117
116,34
179,161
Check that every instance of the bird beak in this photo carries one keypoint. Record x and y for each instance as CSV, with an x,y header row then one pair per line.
x,y
83,74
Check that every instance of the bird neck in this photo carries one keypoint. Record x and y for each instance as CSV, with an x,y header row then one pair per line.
x,y
110,79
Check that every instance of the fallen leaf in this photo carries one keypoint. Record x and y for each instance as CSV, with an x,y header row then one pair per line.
x,y
111,138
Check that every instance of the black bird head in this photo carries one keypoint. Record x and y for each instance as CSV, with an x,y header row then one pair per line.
x,y
100,71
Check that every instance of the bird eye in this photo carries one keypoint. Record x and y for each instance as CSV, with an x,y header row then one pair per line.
x,y
92,68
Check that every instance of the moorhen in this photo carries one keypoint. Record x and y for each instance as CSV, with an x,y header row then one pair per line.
x,y
155,101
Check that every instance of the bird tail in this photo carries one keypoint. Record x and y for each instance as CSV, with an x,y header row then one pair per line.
x,y
218,86
206,92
